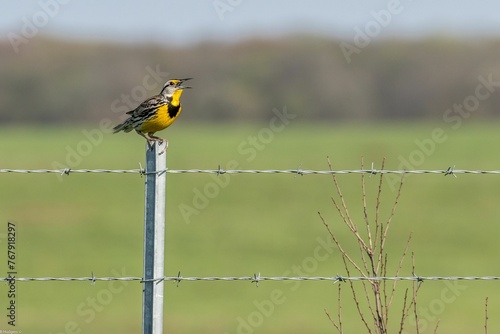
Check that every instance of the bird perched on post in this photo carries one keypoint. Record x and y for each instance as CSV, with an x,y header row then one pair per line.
x,y
156,113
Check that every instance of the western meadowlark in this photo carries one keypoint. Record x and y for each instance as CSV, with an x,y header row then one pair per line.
x,y
156,113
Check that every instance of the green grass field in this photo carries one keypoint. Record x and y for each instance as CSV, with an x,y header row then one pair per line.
x,y
245,224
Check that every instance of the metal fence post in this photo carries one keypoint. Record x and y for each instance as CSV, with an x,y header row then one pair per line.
x,y
154,240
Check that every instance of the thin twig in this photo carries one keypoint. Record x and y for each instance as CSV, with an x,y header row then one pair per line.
x,y
393,211
370,249
378,230
363,247
413,302
400,266
355,298
404,315
486,316
437,325
365,209
333,322
385,306
342,251
415,292
347,259
378,308
347,218
381,324
339,313
369,302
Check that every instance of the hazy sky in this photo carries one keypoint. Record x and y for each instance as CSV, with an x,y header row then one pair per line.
x,y
188,21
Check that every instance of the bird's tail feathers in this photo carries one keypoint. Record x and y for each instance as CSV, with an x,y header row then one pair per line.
x,y
125,126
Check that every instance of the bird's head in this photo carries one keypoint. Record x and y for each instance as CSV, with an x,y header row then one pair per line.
x,y
174,85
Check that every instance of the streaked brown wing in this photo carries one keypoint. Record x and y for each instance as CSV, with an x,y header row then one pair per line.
x,y
147,105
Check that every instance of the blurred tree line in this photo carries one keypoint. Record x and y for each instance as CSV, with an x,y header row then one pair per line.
x,y
52,81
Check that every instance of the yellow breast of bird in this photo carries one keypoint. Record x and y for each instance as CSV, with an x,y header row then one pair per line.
x,y
165,116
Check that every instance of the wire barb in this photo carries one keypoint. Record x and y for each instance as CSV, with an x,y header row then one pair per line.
x,y
373,171
299,170
450,171
220,171
141,170
256,279
419,280
340,279
179,279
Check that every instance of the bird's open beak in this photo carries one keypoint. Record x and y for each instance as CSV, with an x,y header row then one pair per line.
x,y
182,81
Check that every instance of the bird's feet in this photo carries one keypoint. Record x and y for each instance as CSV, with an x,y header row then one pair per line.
x,y
161,141
151,139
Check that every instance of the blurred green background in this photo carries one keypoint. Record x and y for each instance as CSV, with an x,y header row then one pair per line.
x,y
271,101
83,223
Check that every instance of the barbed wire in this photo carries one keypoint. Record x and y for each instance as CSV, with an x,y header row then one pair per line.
x,y
256,278
67,171
220,171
